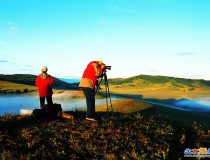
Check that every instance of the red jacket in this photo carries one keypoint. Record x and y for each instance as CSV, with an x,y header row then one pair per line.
x,y
44,82
90,75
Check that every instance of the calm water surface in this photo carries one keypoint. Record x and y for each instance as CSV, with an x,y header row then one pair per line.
x,y
12,104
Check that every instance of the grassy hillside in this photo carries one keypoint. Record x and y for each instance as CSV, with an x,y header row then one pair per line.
x,y
10,87
160,87
132,82
148,80
30,80
148,134
144,86
166,91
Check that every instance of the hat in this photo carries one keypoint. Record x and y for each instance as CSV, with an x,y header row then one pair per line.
x,y
44,69
100,60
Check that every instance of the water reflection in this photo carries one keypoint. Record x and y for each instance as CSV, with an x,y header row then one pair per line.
x,y
197,105
194,105
12,104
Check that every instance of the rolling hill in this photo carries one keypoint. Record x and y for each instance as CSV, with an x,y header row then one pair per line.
x,y
161,87
28,79
131,84
150,80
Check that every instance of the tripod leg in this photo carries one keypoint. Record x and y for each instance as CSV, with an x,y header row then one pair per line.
x,y
107,106
110,101
107,93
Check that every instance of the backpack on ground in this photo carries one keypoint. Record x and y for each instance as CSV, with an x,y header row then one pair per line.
x,y
49,111
38,113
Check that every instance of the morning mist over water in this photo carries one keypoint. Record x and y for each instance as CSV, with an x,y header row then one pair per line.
x,y
12,104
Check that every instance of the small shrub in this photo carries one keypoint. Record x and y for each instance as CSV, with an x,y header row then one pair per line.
x,y
17,91
191,89
25,90
132,85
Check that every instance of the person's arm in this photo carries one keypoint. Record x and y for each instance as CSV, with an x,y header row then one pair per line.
x,y
37,81
51,80
98,69
102,67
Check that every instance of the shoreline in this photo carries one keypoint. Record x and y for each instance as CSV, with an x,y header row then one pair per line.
x,y
165,110
180,104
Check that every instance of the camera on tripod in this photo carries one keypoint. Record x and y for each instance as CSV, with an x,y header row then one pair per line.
x,y
108,67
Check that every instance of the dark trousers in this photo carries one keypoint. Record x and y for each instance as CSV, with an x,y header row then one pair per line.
x,y
90,101
42,100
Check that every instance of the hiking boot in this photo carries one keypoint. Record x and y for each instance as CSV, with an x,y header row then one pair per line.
x,y
91,119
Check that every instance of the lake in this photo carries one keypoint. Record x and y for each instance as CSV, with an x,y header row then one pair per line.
x,y
70,80
12,104
196,104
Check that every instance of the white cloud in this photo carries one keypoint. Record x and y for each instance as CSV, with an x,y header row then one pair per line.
x,y
3,61
185,53
9,28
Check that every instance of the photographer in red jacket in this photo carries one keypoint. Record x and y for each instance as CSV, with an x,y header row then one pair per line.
x,y
44,83
88,82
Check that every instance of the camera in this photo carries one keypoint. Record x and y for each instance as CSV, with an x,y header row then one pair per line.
x,y
108,67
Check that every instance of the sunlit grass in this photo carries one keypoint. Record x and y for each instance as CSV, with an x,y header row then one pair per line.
x,y
9,87
124,106
164,91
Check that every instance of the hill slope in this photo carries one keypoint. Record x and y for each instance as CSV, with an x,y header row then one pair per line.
x,y
149,80
30,80
121,136
10,87
160,87
131,82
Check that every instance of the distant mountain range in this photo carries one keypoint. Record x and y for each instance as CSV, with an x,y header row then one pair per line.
x,y
30,80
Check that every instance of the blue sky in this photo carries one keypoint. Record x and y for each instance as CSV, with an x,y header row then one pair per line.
x,y
154,37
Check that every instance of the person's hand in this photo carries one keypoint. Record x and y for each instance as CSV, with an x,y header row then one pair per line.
x,y
103,66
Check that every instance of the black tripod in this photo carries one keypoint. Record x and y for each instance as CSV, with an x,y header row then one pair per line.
x,y
107,91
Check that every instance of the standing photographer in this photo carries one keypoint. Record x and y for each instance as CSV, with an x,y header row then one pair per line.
x,y
88,82
44,83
